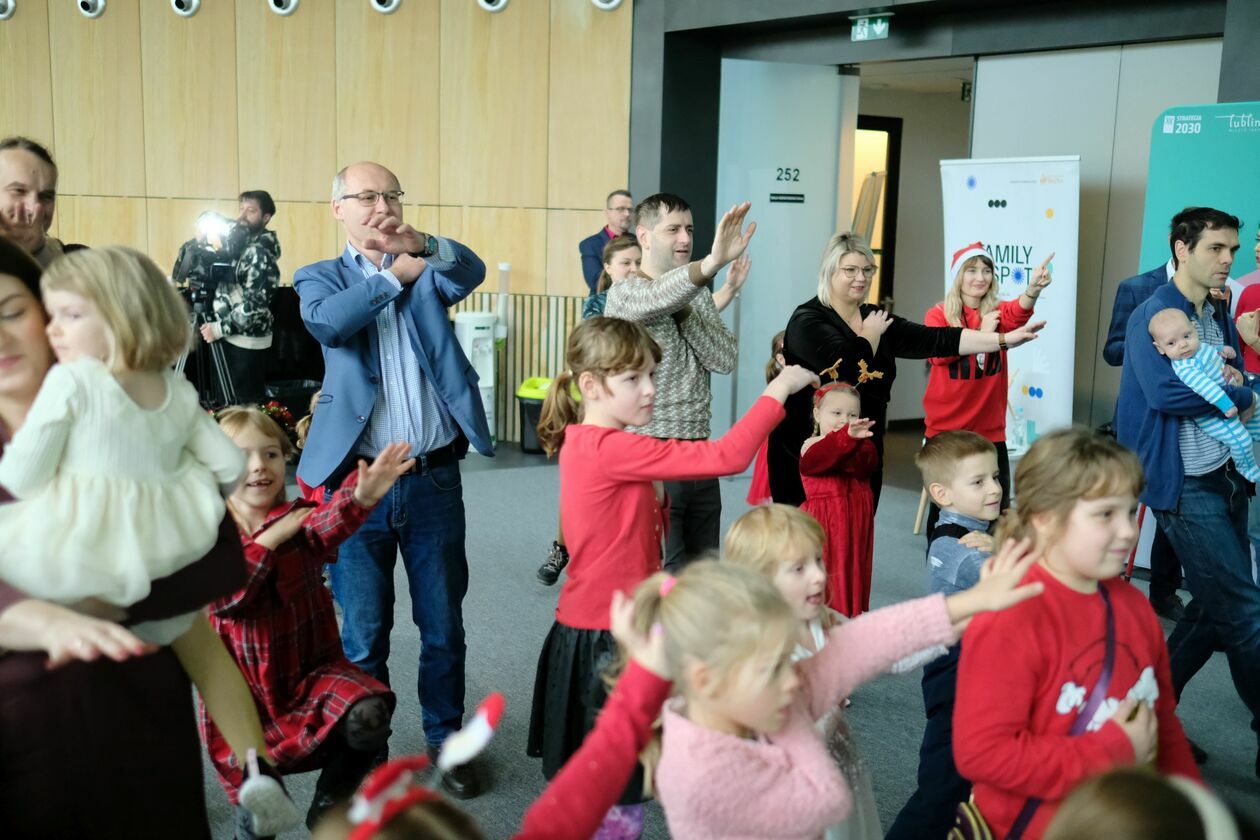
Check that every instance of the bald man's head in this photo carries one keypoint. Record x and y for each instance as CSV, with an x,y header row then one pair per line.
x,y
362,193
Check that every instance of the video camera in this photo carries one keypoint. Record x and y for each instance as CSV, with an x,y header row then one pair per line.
x,y
208,262
202,287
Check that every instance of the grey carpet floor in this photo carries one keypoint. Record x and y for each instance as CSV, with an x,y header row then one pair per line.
x,y
511,521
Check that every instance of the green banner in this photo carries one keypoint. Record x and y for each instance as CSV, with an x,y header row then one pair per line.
x,y
1203,156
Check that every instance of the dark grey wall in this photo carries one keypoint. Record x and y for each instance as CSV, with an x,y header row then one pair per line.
x,y
678,46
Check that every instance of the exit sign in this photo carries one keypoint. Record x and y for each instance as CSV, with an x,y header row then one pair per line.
x,y
870,28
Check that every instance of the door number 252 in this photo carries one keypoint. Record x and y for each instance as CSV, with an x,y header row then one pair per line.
x,y
787,173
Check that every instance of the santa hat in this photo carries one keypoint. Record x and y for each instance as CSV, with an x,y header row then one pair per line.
x,y
975,249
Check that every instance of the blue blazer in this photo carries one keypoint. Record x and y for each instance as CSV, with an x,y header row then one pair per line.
x,y
339,307
592,250
1153,399
1129,294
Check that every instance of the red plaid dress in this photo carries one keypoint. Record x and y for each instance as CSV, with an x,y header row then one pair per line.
x,y
282,632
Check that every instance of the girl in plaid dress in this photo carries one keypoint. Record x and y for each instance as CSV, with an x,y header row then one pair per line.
x,y
317,709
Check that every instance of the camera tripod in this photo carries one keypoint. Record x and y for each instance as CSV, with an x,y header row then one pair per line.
x,y
222,374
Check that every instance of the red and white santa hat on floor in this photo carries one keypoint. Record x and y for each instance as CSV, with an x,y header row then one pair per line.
x,y
975,249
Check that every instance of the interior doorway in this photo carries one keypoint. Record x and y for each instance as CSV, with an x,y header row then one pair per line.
x,y
877,176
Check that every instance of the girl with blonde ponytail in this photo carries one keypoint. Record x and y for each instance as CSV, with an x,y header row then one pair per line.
x,y
613,518
1077,681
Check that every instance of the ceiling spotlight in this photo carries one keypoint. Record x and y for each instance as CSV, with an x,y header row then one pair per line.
x,y
605,5
283,7
7,8
91,8
185,8
386,7
493,5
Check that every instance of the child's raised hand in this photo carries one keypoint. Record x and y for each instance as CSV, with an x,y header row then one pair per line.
x,y
861,428
283,529
790,380
999,585
1138,721
876,323
648,650
376,479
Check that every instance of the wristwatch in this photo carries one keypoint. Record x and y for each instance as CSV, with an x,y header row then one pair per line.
x,y
1002,341
430,247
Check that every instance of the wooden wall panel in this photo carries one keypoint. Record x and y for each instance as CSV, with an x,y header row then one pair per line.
x,y
173,221
384,74
494,104
26,100
98,221
286,69
190,139
565,229
588,146
308,233
503,235
97,113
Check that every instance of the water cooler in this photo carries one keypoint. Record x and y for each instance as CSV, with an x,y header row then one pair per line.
x,y
480,334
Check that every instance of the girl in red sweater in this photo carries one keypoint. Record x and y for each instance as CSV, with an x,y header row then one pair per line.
x,y
614,518
836,467
1045,698
968,393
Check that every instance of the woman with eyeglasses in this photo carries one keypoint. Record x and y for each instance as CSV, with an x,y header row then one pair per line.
x,y
841,337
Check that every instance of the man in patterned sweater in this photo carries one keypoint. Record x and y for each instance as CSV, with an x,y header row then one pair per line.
x,y
681,316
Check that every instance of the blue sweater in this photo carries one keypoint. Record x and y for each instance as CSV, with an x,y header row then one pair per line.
x,y
1153,399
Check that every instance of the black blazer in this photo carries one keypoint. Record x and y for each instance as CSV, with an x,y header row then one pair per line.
x,y
816,338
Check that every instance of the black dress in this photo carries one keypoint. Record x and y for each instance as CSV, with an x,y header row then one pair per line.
x,y
110,749
816,337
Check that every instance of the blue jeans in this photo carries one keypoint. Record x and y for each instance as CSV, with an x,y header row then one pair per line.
x,y
422,517
1208,530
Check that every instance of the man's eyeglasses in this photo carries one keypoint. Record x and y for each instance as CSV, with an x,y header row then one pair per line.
x,y
368,198
851,271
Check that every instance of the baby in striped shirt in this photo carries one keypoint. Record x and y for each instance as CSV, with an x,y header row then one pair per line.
x,y
1201,367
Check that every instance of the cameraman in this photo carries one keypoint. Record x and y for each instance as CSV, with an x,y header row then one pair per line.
x,y
241,314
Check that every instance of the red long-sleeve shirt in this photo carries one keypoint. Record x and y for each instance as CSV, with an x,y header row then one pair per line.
x,y
593,778
612,522
1024,675
961,392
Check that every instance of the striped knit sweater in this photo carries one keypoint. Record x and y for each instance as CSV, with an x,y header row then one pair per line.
x,y
694,343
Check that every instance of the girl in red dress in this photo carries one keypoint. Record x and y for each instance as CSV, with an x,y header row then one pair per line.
x,y
317,709
836,466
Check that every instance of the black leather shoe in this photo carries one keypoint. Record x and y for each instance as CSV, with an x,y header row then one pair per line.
x,y
1169,607
462,782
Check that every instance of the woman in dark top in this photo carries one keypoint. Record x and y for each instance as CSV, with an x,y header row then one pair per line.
x,y
838,331
105,743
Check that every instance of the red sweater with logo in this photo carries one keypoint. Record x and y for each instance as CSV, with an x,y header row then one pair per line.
x,y
1024,675
612,522
969,392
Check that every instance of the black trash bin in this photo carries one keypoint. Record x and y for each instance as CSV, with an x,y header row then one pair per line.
x,y
530,397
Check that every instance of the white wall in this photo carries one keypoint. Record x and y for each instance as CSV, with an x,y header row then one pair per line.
x,y
934,128
1098,103
774,116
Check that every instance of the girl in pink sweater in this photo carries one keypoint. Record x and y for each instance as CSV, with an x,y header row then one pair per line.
x,y
740,756
614,519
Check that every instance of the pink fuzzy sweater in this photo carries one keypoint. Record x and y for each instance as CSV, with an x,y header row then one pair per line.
x,y
716,785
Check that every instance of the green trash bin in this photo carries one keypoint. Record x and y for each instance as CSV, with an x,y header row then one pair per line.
x,y
530,398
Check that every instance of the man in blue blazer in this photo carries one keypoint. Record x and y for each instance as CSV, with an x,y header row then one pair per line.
x,y
1192,486
618,208
394,372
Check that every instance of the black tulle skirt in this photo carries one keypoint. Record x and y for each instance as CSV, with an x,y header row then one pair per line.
x,y
569,691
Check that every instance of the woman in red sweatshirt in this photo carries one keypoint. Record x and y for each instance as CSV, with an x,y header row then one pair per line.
x,y
1073,683
968,393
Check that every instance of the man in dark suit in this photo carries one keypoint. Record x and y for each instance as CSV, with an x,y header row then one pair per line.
x,y
394,372
617,209
1165,567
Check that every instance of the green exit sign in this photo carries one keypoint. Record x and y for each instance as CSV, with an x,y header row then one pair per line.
x,y
870,28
